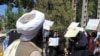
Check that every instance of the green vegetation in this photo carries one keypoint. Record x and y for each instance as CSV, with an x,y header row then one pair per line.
x,y
59,11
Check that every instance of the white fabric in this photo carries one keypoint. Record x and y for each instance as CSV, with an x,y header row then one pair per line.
x,y
11,50
29,28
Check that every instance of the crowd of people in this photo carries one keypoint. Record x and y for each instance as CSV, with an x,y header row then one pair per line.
x,y
30,39
84,44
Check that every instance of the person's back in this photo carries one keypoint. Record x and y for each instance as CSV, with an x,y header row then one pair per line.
x,y
31,39
80,45
25,48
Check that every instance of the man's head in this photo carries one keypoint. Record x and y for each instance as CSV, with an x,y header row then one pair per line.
x,y
29,24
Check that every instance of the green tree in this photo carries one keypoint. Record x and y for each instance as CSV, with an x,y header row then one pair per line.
x,y
11,17
57,10
92,8
2,22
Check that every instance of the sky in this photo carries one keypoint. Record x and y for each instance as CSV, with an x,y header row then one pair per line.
x,y
3,8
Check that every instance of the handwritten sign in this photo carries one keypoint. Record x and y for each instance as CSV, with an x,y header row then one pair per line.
x,y
92,24
71,33
80,29
47,24
73,25
53,41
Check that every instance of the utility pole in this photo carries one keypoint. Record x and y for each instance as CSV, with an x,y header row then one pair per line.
x,y
74,2
84,17
98,10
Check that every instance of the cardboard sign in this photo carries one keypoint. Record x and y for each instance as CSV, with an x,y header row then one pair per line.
x,y
93,24
73,25
47,24
53,41
71,33
80,29
3,35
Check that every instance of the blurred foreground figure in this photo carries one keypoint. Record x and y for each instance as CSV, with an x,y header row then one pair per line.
x,y
31,41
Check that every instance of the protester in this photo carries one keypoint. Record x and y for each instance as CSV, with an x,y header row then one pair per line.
x,y
91,43
62,46
97,47
53,51
80,45
31,41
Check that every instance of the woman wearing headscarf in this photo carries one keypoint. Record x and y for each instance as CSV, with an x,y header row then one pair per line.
x,y
30,42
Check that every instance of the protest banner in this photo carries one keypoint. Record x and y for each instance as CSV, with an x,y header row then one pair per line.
x,y
93,24
71,33
80,29
53,41
47,24
73,25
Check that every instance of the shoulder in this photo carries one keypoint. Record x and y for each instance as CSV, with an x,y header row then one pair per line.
x,y
35,53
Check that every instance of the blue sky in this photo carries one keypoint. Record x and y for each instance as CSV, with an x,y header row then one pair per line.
x,y
3,8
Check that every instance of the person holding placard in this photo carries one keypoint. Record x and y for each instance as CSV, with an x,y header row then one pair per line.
x,y
53,43
79,44
91,43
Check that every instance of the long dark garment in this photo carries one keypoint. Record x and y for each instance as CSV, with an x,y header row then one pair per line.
x,y
61,46
80,45
52,51
91,46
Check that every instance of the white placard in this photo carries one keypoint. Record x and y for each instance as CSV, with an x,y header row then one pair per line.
x,y
92,24
71,33
80,29
47,24
73,25
53,41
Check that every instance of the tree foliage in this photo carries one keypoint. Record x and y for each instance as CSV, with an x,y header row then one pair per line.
x,y
92,8
11,17
59,11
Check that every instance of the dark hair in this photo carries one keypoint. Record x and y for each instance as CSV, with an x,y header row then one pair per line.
x,y
94,34
98,39
51,33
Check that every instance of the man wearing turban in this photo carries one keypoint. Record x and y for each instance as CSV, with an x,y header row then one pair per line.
x,y
30,43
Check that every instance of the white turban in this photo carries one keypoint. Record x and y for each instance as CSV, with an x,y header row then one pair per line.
x,y
29,24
